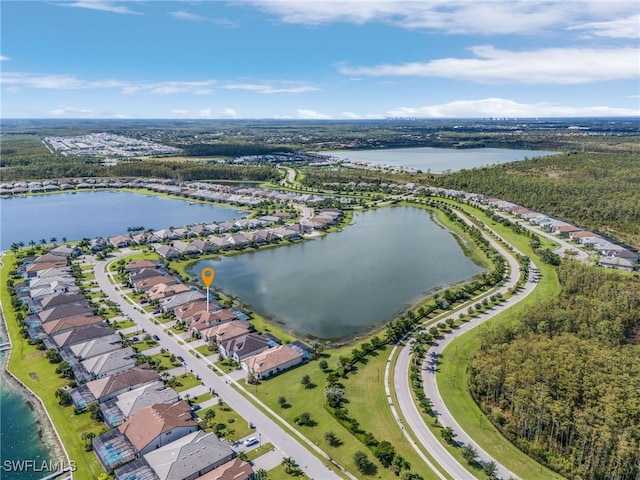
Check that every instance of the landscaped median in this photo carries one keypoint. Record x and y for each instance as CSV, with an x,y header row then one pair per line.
x,y
452,375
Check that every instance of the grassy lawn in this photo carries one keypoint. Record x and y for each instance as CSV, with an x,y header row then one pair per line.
x,y
261,450
202,398
187,381
119,325
226,415
164,361
204,350
31,367
359,389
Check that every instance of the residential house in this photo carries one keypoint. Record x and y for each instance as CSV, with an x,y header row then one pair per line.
x,y
147,284
55,300
170,303
63,311
272,361
81,334
129,403
143,274
107,364
156,426
68,323
205,319
94,347
235,469
107,388
120,241
242,347
203,246
138,265
189,457
166,251
224,332
163,290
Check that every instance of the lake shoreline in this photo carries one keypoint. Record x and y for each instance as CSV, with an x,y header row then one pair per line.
x,y
47,434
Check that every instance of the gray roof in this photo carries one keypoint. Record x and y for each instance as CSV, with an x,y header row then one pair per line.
x,y
131,402
169,303
81,334
96,346
117,360
196,453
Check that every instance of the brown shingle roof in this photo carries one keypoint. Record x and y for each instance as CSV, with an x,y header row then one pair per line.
x,y
272,358
131,378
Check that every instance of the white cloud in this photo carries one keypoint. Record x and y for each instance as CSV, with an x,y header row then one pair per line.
x,y
501,107
4,59
71,112
71,82
104,6
268,89
546,66
192,17
628,27
205,113
311,115
453,16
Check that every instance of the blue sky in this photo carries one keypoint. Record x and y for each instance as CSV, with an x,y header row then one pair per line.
x,y
307,59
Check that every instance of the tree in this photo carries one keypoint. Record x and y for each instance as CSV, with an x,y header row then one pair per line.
x,y
364,465
64,397
282,401
332,439
385,452
87,437
469,453
289,464
306,381
490,468
323,365
260,474
53,356
304,419
448,435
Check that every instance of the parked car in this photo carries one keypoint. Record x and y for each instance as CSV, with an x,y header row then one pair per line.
x,y
250,441
156,338
180,358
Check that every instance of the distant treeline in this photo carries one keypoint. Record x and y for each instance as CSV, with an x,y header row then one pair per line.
x,y
231,149
600,192
68,168
563,382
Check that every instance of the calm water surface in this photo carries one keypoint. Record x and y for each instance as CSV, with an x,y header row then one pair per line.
x,y
19,432
437,160
97,214
347,282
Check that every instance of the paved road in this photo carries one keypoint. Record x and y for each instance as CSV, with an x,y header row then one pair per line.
x,y
271,432
403,389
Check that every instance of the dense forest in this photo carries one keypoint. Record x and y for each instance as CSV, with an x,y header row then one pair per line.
x,y
600,192
569,394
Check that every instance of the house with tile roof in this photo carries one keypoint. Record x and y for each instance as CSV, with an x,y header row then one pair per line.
x,y
158,425
272,361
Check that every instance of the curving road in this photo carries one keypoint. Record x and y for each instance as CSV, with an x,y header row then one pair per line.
x,y
403,389
289,442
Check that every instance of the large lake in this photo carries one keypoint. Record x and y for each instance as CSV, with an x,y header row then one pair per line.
x,y
104,213
347,282
437,160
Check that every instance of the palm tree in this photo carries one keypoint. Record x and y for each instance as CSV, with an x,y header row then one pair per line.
x,y
289,464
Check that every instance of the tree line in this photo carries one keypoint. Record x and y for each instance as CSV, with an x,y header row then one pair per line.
x,y
569,393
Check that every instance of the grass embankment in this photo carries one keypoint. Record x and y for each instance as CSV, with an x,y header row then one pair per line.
x,y
452,376
31,367
367,403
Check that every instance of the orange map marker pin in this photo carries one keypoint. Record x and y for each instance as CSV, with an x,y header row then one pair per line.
x,y
207,275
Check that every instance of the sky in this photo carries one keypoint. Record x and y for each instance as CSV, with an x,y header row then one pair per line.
x,y
311,59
